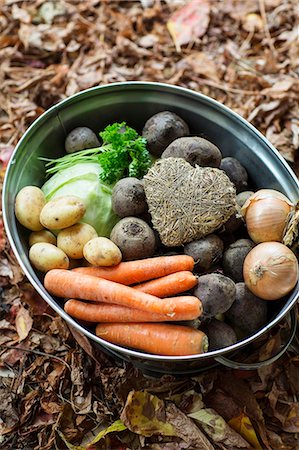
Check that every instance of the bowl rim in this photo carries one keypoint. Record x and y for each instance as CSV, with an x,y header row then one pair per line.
x,y
147,85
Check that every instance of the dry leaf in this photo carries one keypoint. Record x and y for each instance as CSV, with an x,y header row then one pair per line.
x,y
242,424
116,426
217,429
24,323
189,23
145,414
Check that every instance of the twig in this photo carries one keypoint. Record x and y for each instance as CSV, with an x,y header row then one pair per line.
x,y
267,32
225,87
36,352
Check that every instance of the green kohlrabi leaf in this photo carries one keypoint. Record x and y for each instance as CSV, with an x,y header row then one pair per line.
x,y
83,180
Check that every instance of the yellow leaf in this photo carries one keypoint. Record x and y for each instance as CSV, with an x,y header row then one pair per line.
x,y
145,414
242,424
115,426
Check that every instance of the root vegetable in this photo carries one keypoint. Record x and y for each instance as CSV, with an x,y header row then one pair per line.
x,y
235,172
104,312
101,251
128,197
132,272
206,252
163,128
169,285
266,214
216,292
234,256
41,236
81,138
45,257
248,312
62,212
220,334
73,239
70,284
134,237
270,270
243,197
195,150
28,205
159,339
233,224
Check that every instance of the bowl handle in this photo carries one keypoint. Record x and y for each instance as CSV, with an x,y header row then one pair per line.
x,y
253,366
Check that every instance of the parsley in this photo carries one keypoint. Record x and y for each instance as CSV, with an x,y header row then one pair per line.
x,y
123,153
126,153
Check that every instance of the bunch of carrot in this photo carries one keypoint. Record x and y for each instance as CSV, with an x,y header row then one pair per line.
x,y
133,315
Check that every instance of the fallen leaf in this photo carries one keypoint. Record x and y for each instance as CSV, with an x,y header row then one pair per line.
x,y
148,415
242,424
20,14
49,10
145,414
8,410
24,323
115,427
281,87
189,22
201,64
186,428
217,429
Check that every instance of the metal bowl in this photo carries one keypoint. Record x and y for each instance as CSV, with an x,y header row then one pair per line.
x,y
135,102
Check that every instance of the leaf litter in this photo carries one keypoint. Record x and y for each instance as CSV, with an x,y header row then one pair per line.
x,y
57,390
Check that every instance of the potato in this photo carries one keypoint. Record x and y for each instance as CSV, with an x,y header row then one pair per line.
x,y
62,212
235,172
101,251
72,239
233,223
134,237
45,256
220,334
42,236
248,312
206,252
128,197
28,206
243,197
163,128
216,292
81,138
195,150
234,256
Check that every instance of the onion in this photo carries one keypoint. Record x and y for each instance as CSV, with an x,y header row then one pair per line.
x,y
266,214
270,270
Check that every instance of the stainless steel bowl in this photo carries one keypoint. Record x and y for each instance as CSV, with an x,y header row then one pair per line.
x,y
135,102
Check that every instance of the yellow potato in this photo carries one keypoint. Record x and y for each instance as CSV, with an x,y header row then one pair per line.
x,y
102,252
42,236
45,256
28,205
62,212
72,239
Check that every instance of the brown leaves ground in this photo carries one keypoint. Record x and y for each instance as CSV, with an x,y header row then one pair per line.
x,y
55,388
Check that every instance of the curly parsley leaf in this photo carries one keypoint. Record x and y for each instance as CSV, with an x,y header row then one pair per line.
x,y
125,155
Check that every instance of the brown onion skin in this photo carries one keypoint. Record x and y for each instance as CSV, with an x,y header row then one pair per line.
x,y
266,220
270,270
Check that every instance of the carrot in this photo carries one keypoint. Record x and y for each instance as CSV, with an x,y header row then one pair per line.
x,y
157,338
104,312
169,285
67,283
131,272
